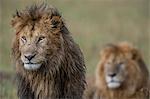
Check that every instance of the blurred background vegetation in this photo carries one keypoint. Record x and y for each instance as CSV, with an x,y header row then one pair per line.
x,y
93,23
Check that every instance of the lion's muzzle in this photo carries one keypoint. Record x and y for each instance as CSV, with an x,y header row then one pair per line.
x,y
29,61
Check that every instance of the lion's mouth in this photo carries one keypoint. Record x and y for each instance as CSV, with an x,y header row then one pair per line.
x,y
113,84
32,66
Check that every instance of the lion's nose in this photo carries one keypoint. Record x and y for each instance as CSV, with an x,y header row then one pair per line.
x,y
112,74
29,56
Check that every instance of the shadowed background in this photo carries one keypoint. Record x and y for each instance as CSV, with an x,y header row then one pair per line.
x,y
92,23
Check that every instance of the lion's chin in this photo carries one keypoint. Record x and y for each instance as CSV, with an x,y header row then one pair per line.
x,y
113,85
32,66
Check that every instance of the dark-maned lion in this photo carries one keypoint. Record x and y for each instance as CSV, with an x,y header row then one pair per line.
x,y
49,64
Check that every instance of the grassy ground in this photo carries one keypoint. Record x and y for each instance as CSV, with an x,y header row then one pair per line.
x,y
7,86
93,23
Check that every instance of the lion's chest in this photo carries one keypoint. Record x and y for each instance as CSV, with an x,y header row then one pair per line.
x,y
43,88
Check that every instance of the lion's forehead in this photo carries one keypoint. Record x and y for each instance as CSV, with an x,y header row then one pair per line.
x,y
31,31
115,62
115,58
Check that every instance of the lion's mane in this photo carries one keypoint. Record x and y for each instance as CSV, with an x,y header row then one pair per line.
x,y
136,84
62,76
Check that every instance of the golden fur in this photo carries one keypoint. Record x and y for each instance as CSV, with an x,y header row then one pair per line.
x,y
40,29
133,74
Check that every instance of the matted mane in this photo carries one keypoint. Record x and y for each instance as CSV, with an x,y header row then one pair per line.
x,y
33,14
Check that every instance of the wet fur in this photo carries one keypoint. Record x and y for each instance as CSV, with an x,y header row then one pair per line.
x,y
62,76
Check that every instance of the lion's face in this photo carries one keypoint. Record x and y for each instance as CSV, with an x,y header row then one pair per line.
x,y
38,36
32,45
121,66
36,45
115,70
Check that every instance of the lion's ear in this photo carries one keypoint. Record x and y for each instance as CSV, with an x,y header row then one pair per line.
x,y
56,22
135,54
107,49
131,51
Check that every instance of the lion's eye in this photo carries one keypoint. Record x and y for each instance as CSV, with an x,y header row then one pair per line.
x,y
41,39
121,64
23,39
